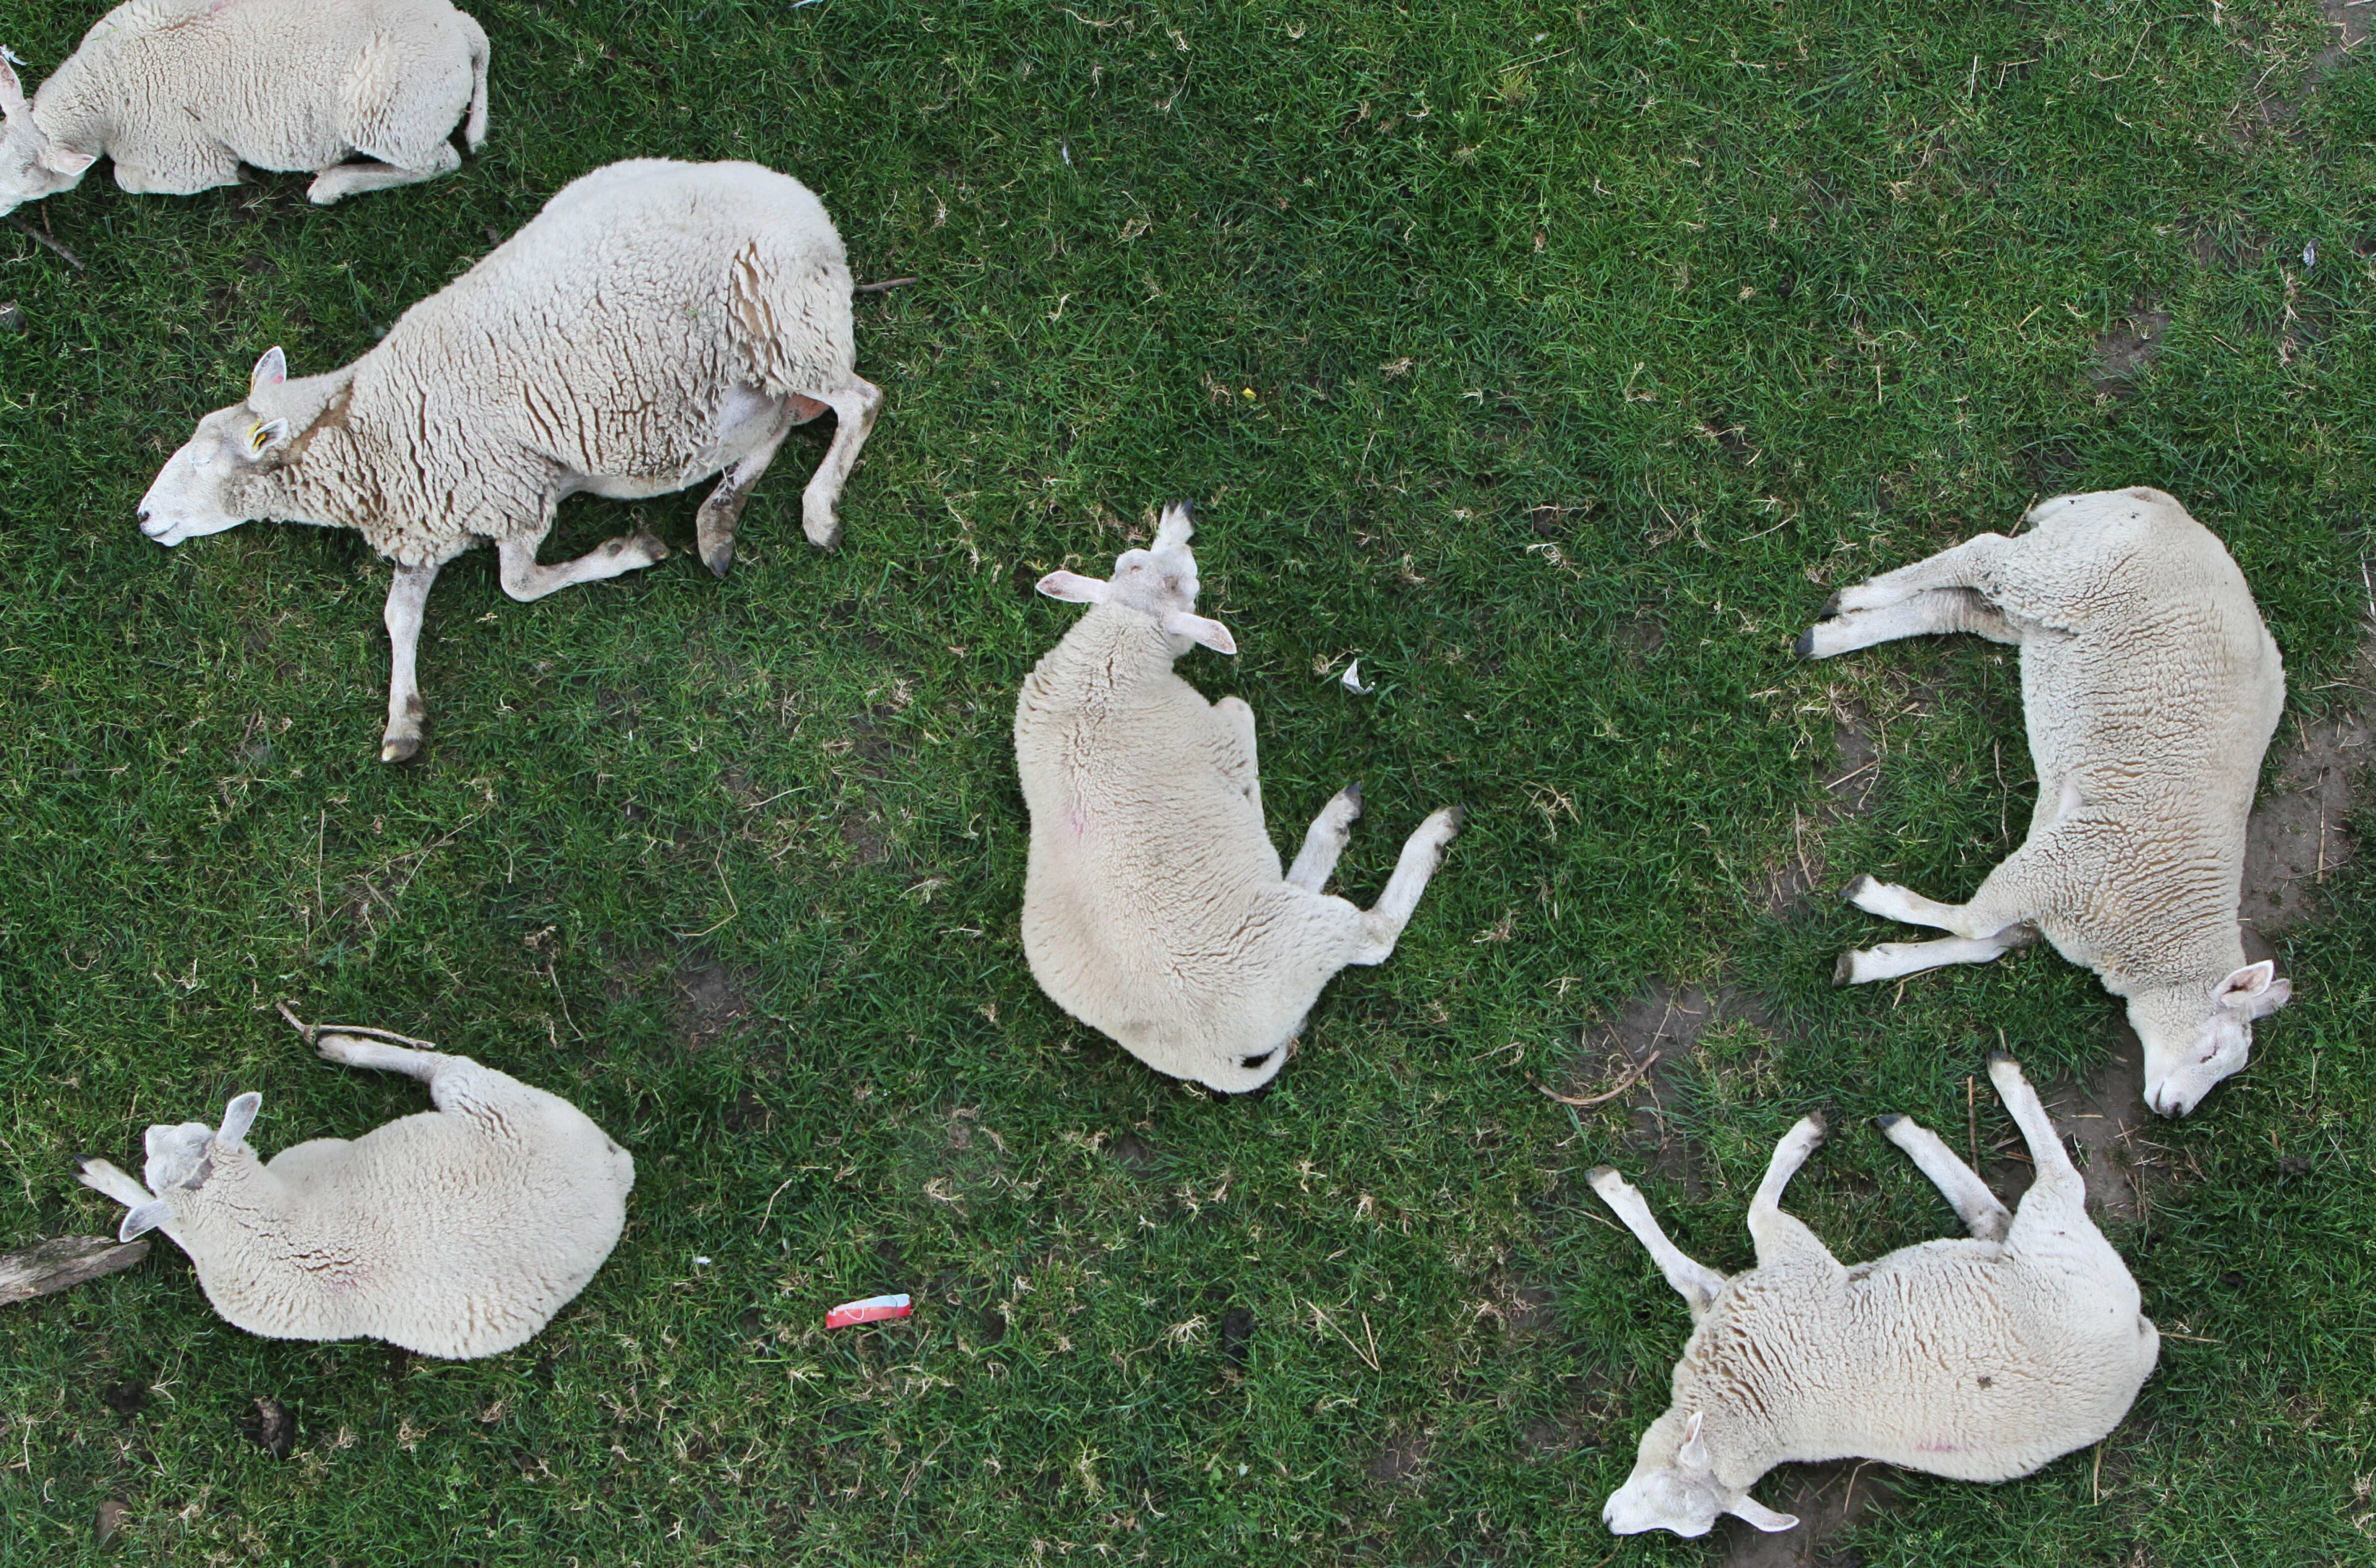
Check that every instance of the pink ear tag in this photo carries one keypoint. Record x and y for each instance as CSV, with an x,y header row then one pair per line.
x,y
874,1309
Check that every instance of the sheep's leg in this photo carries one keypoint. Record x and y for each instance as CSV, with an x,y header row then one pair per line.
x,y
524,580
1324,840
721,514
1895,960
1965,565
1696,1283
1977,1207
353,179
1382,925
456,1085
1890,901
407,601
1236,722
2058,1179
1776,1233
1932,610
854,408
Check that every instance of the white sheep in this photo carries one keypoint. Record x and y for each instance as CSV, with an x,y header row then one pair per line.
x,y
1154,909
1981,1360
181,92
2151,689
656,324
455,1233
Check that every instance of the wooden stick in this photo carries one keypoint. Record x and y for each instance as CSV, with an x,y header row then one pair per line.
x,y
46,1266
884,287
41,239
314,1031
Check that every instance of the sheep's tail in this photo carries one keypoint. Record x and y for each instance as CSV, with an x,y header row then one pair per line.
x,y
474,129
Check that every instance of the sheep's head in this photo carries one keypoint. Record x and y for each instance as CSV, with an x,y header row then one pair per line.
x,y
1159,581
210,484
31,165
181,1159
1674,1486
2194,1038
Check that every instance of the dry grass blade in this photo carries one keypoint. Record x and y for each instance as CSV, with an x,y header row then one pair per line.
x,y
41,239
1625,1080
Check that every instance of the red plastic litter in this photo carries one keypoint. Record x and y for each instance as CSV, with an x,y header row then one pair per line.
x,y
874,1309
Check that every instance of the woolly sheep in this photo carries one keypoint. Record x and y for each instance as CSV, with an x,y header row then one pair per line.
x,y
1153,907
455,1233
656,324
1980,1359
182,93
2151,689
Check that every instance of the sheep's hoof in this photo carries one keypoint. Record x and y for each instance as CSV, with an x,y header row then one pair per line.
x,y
399,748
1883,1124
1601,1176
1805,646
1453,816
2003,1058
644,539
1817,1125
1831,605
1351,795
1858,888
718,557
1844,971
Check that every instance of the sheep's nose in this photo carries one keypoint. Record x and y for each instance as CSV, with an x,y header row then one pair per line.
x,y
2166,1101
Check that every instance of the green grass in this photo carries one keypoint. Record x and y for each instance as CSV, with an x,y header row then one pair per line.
x,y
1490,337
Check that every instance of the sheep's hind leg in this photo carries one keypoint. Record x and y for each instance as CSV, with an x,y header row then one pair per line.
x,y
1932,610
456,1084
1961,566
721,514
1696,1283
1773,1232
352,179
1978,1208
2058,1181
524,580
1382,925
1325,840
407,601
1895,960
854,408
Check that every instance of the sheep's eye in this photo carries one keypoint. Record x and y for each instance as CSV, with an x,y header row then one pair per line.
x,y
1172,585
1251,1063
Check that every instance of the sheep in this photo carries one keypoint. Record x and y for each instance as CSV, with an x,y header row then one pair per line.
x,y
657,323
456,1232
1153,905
2150,688
181,92
1980,1359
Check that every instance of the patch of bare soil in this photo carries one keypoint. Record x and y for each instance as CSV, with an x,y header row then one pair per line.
x,y
2122,354
1640,1057
1828,1499
1848,781
2295,839
2351,22
2107,1118
711,1001
1400,1461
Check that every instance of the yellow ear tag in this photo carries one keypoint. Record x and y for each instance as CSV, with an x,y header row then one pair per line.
x,y
257,439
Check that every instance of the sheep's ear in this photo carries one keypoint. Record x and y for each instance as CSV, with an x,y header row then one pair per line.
x,y
1072,587
66,161
2277,995
238,1117
1176,526
263,436
12,92
138,1222
1765,1518
1197,629
2248,986
269,372
1693,1454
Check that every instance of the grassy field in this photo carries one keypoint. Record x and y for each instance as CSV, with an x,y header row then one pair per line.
x,y
1556,361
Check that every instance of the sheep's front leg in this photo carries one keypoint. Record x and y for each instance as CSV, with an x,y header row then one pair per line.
x,y
1696,1283
353,179
1977,1207
2059,1185
1895,960
407,599
1932,610
524,580
721,512
1775,1233
854,408
1325,840
1382,925
1235,721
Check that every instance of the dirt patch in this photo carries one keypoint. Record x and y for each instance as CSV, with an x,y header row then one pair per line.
x,y
2297,839
2107,1118
1849,782
271,1428
1828,1499
1400,1461
2122,354
712,999
1667,1022
863,836
2350,23
109,1520
1134,1155
1237,1334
